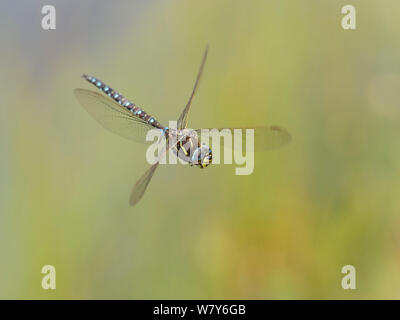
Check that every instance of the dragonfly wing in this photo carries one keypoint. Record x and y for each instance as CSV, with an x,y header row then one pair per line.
x,y
265,138
182,121
140,187
112,116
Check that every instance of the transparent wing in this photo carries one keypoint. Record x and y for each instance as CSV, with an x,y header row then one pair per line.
x,y
265,138
141,185
112,116
182,121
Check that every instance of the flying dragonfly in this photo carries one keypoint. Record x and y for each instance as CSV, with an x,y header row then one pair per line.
x,y
119,115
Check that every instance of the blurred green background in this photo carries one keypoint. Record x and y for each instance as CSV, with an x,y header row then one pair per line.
x,y
328,199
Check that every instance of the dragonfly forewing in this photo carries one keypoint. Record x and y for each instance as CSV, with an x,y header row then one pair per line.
x,y
182,121
265,137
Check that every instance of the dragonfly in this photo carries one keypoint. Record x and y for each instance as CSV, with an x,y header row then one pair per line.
x,y
119,115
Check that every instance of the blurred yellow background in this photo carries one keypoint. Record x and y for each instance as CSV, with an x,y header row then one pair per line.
x,y
328,199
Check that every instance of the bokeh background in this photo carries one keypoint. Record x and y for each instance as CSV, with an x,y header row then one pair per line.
x,y
329,199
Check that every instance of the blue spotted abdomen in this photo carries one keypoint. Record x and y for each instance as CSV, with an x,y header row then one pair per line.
x,y
124,102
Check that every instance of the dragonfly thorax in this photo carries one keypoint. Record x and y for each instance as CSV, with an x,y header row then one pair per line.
x,y
186,146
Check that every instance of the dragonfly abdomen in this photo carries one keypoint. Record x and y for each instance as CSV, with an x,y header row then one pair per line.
x,y
124,102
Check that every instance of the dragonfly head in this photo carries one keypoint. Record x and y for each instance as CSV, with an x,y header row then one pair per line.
x,y
202,156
